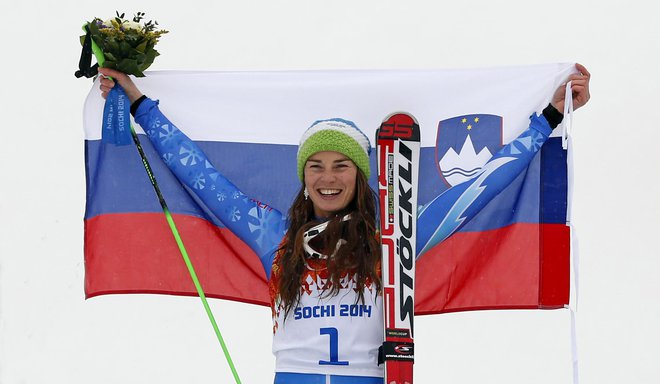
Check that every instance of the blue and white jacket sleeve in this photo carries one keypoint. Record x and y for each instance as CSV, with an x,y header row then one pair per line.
x,y
456,206
259,226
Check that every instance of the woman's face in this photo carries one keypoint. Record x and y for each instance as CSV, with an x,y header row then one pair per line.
x,y
330,179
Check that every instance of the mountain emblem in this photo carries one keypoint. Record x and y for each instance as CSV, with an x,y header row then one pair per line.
x,y
464,144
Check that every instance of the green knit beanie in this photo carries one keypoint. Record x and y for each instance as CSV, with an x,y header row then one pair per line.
x,y
336,135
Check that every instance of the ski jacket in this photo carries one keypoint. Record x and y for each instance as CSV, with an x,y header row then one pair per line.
x,y
328,335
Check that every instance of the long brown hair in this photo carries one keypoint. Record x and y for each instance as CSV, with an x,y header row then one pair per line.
x,y
360,254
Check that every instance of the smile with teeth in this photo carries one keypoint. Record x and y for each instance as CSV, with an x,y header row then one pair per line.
x,y
329,192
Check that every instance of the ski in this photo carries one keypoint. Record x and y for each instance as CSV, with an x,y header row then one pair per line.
x,y
398,148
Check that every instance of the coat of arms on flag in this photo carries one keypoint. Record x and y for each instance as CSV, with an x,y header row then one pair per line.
x,y
464,144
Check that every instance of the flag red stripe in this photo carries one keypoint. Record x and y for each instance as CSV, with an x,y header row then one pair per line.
x,y
555,266
496,269
151,262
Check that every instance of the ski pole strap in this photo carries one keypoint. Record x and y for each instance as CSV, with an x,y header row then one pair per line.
x,y
85,67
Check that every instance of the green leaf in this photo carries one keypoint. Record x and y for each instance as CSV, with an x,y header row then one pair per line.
x,y
93,27
112,46
129,66
150,56
141,47
110,64
139,59
109,56
124,48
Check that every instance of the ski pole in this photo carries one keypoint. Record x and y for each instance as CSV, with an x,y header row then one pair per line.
x,y
101,59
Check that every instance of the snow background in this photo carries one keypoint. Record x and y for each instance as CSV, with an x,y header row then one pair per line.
x,y
49,333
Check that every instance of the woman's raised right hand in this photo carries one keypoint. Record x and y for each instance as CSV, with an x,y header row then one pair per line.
x,y
107,84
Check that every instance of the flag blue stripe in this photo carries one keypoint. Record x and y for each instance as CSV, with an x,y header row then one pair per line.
x,y
117,183
554,188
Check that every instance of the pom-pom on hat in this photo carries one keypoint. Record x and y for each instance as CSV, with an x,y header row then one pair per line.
x,y
336,135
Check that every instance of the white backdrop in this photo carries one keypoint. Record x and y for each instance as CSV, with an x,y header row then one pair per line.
x,y
49,333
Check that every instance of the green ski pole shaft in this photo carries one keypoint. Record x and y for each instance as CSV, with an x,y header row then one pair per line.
x,y
184,254
170,220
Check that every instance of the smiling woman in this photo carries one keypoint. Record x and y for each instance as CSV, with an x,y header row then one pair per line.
x,y
332,248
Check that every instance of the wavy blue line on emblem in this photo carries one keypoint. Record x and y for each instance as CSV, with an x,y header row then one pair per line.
x,y
461,172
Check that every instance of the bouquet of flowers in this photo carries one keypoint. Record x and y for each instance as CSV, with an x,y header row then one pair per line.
x,y
124,45
127,45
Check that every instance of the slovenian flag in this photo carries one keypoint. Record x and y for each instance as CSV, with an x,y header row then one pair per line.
x,y
514,254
